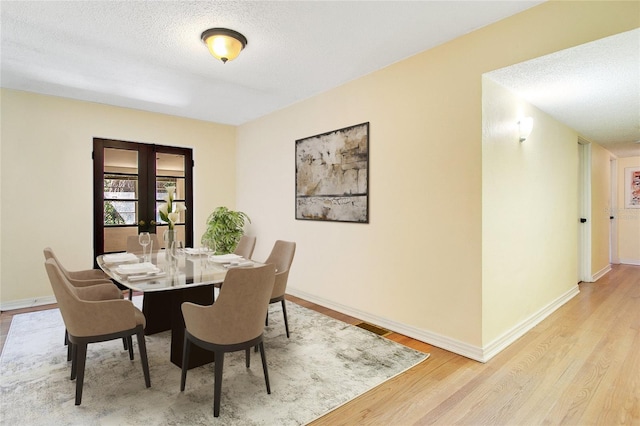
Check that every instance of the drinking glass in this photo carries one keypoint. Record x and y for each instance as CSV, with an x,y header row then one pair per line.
x,y
144,239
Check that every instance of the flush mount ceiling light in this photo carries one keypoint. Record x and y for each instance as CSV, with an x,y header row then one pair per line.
x,y
223,43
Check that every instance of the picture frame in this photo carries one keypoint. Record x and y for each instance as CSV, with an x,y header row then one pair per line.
x,y
632,188
332,175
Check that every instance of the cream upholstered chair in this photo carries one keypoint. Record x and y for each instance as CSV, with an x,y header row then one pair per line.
x,y
90,321
282,257
133,246
245,246
233,323
104,287
81,278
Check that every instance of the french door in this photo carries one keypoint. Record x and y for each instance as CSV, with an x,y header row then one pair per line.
x,y
129,184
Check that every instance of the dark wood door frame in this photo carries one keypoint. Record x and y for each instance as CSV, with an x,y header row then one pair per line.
x,y
147,176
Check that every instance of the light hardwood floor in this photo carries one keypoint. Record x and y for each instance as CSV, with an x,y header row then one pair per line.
x,y
580,366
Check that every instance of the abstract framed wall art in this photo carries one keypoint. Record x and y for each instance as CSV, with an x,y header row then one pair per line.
x,y
632,188
332,176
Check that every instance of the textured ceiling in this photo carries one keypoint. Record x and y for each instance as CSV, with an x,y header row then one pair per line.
x,y
593,88
148,54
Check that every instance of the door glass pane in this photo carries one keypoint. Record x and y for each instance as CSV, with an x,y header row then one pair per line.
x,y
121,160
120,213
120,194
170,172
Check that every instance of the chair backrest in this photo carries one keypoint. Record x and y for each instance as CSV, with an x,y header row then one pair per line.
x,y
281,256
238,314
133,246
49,254
66,296
245,246
87,318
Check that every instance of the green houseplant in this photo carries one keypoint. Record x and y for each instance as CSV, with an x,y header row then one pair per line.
x,y
224,229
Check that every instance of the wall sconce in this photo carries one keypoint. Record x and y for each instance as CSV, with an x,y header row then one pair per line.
x,y
525,125
223,43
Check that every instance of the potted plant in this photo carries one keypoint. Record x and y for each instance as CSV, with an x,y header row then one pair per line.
x,y
224,229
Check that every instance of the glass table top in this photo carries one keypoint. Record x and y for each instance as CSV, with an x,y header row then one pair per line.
x,y
160,275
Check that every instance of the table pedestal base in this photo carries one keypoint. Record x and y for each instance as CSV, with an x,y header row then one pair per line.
x,y
163,311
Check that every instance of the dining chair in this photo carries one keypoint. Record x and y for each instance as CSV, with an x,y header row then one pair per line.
x,y
245,246
282,257
104,288
133,244
81,278
233,323
91,321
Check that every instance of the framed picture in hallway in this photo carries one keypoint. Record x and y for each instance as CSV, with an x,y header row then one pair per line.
x,y
332,176
632,188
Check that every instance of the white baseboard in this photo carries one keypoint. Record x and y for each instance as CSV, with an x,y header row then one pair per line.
x,y
475,353
27,303
496,346
601,273
635,262
444,342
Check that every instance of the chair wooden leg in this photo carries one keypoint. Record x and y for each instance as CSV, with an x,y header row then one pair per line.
x,y
80,360
124,343
142,347
74,364
185,362
217,385
284,312
247,357
264,367
130,346
66,342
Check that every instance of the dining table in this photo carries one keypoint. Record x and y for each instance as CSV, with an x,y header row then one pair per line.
x,y
166,282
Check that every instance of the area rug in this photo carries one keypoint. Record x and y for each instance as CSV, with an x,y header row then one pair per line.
x,y
324,364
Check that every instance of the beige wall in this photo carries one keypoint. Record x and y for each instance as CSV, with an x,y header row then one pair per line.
x,y
628,219
600,208
417,267
46,174
529,211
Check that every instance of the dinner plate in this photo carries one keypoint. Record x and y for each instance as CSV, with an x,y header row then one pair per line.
x,y
239,264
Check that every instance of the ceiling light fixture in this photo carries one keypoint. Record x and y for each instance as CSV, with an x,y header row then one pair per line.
x,y
525,126
223,43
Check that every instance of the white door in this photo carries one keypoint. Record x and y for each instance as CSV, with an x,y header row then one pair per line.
x,y
584,211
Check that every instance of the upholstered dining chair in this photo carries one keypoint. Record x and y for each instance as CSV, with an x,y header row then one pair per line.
x,y
90,321
80,278
245,246
104,288
282,257
133,244
233,323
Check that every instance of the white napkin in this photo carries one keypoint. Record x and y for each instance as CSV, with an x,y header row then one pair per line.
x,y
225,258
200,250
147,276
137,268
119,257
